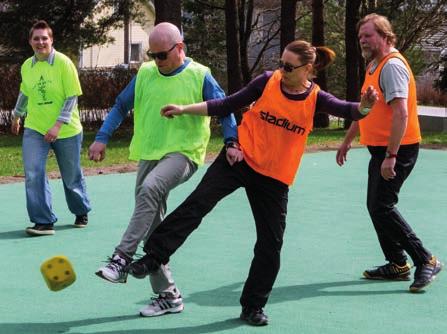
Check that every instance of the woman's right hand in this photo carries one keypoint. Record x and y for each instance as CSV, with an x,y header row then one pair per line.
x,y
234,155
171,110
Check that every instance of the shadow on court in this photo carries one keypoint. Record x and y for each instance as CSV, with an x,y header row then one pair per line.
x,y
70,326
21,234
229,295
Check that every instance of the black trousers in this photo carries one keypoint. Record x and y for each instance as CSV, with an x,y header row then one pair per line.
x,y
268,200
394,233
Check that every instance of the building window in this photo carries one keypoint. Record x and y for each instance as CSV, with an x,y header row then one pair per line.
x,y
135,52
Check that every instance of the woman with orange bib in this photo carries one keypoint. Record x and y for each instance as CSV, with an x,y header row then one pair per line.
x,y
272,138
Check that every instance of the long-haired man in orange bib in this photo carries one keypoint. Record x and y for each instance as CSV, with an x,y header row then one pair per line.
x,y
272,137
391,133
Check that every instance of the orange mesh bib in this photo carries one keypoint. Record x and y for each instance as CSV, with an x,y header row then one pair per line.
x,y
375,129
273,133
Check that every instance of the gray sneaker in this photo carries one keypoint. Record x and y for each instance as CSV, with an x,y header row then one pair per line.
x,y
114,270
161,305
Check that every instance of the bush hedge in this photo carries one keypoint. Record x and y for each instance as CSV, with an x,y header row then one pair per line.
x,y
100,87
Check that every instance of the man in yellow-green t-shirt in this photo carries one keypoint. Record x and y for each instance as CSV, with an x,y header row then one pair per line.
x,y
48,100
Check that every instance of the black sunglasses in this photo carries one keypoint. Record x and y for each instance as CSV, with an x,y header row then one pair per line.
x,y
289,67
161,55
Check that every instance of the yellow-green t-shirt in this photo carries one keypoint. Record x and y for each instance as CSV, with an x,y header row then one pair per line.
x,y
47,86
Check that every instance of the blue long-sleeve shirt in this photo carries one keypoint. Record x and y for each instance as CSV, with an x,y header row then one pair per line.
x,y
125,102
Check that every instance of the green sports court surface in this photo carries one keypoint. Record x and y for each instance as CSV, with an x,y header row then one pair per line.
x,y
329,242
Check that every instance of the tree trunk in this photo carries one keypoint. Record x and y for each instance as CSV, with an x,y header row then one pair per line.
x,y
232,41
168,11
234,76
126,40
288,23
353,55
321,120
245,21
125,9
318,35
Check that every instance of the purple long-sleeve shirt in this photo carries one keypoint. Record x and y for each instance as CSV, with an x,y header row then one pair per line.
x,y
325,102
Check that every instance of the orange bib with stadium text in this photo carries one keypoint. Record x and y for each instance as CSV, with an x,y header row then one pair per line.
x,y
375,129
273,133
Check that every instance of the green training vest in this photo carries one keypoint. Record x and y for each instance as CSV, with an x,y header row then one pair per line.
x,y
154,135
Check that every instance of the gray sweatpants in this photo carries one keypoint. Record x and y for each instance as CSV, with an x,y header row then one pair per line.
x,y
155,179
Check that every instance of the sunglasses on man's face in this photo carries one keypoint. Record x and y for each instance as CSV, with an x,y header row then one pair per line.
x,y
289,67
163,55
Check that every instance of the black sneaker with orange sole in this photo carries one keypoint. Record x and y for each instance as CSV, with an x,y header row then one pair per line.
x,y
389,271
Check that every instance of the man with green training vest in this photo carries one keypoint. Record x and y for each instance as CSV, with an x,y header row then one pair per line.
x,y
168,151
48,98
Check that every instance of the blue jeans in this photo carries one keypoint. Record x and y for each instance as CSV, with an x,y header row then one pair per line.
x,y
38,195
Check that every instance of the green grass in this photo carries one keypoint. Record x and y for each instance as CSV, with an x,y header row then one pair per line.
x,y
435,138
324,137
117,150
11,153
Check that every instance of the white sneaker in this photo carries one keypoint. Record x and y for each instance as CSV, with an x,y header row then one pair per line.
x,y
161,305
114,270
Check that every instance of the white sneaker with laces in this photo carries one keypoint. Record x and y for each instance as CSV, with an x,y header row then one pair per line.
x,y
114,270
161,305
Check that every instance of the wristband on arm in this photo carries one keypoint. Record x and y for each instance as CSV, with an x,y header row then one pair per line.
x,y
364,111
232,144
389,155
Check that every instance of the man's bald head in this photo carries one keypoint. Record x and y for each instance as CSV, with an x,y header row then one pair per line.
x,y
167,40
166,33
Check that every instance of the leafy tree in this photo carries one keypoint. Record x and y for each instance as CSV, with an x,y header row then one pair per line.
x,y
415,21
288,22
203,23
245,12
441,82
257,29
74,23
207,40
168,11
321,120
259,26
234,75
353,55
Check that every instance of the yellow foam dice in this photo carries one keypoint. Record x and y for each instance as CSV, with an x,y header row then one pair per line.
x,y
58,272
